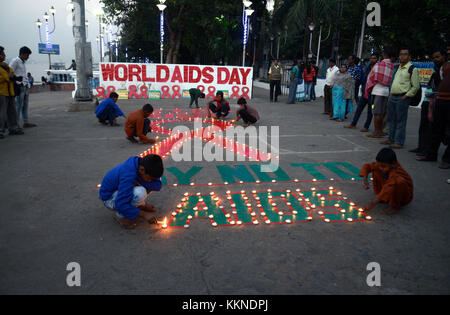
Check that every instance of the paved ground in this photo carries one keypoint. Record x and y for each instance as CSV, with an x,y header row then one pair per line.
x,y
51,215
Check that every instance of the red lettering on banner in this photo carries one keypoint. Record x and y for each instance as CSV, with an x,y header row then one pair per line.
x,y
117,73
144,75
177,75
191,74
235,77
221,70
207,76
108,72
186,73
134,71
159,69
244,73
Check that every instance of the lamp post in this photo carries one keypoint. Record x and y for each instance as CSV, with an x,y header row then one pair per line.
x,y
100,35
271,46
161,6
311,29
46,17
318,45
278,47
247,11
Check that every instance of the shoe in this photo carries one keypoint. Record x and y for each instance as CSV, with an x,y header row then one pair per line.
x,y
425,159
415,150
350,127
29,125
396,146
17,132
364,130
387,142
444,165
132,139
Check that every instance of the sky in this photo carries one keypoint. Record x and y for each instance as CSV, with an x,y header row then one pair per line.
x,y
18,28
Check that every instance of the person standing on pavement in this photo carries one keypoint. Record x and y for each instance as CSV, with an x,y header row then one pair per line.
x,y
357,73
343,94
405,85
364,100
377,85
308,76
293,83
275,74
313,90
7,102
327,91
22,86
441,125
429,102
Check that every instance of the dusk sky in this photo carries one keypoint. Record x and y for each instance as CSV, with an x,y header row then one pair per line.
x,y
18,29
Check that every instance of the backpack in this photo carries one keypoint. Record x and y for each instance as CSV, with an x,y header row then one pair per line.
x,y
416,99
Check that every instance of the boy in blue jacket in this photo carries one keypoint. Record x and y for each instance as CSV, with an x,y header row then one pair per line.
x,y
126,187
109,111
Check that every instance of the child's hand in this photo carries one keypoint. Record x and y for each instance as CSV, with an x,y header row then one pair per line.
x,y
151,219
366,183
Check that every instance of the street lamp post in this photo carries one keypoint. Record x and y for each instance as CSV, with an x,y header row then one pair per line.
x,y
318,45
161,6
271,46
311,29
46,17
100,36
247,11
278,47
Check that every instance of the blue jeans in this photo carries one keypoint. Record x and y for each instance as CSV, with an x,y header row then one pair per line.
x,y
22,104
362,104
139,195
313,92
293,91
397,117
308,90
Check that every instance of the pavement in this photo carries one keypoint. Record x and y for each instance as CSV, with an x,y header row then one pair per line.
x,y
52,215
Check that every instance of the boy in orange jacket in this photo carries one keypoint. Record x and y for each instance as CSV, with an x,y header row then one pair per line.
x,y
391,183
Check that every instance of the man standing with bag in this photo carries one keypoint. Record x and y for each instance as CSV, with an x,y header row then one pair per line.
x,y
275,73
405,85
22,85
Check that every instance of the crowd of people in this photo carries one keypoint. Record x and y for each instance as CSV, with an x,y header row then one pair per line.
x,y
386,87
388,91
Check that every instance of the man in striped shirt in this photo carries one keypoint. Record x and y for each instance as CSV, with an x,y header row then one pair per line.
x,y
377,85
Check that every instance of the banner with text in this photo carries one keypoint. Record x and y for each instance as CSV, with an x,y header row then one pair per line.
x,y
159,81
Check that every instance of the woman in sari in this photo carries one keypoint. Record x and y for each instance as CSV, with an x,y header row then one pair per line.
x,y
343,94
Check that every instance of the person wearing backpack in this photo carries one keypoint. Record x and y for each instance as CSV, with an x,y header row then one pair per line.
x,y
404,89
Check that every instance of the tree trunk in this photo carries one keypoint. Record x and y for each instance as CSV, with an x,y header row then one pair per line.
x,y
175,37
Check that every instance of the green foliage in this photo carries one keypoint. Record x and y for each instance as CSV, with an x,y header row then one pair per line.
x,y
210,31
